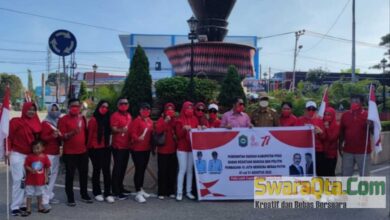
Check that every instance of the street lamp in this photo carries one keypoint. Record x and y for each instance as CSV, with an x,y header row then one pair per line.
x,y
296,50
94,67
193,24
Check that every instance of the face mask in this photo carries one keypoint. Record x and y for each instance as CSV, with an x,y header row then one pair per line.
x,y
263,104
327,118
170,113
189,112
213,116
55,114
355,106
240,108
199,113
103,110
74,110
123,108
286,113
311,113
145,113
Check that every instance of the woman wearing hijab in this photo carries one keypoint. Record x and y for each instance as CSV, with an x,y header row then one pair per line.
x,y
99,132
167,160
187,120
141,135
200,113
51,138
332,130
23,131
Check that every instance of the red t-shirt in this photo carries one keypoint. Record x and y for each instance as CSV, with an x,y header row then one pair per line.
x,y
319,138
51,144
183,136
20,136
38,163
291,120
354,127
169,129
93,135
138,127
76,144
214,123
119,120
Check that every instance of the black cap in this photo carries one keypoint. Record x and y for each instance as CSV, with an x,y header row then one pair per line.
x,y
144,105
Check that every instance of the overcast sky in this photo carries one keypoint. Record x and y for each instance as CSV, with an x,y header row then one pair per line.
x,y
249,17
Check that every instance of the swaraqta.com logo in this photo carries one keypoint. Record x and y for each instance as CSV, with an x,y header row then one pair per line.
x,y
320,192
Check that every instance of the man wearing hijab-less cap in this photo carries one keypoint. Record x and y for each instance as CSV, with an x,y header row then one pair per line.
x,y
214,121
264,116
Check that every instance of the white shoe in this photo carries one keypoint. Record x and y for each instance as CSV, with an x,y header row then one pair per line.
x,y
110,199
144,194
139,198
99,198
190,196
172,196
179,197
161,197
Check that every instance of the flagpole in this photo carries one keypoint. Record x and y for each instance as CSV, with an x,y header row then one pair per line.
x,y
7,176
365,150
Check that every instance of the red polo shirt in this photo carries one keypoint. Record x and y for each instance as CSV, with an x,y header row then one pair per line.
x,y
137,129
354,126
119,120
168,128
51,144
76,144
93,135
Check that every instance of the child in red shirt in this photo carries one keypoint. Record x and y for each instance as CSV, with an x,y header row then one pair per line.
x,y
37,167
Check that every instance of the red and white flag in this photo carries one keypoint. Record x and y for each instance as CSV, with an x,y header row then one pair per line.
x,y
324,103
4,120
373,116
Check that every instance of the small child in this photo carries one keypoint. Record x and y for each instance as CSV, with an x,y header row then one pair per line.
x,y
37,167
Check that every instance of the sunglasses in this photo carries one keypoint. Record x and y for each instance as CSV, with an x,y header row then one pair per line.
x,y
311,109
213,111
200,110
241,104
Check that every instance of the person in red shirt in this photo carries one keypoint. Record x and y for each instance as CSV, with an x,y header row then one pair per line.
x,y
166,159
37,167
287,118
51,138
354,143
23,131
120,123
214,121
73,128
185,123
332,130
200,113
141,140
99,132
311,118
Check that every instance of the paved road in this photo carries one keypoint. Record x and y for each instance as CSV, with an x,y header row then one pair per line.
x,y
170,209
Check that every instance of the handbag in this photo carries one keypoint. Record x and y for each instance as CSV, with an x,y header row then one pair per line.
x,y
159,139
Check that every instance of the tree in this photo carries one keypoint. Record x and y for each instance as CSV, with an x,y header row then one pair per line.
x,y
231,88
52,79
385,41
349,70
15,84
83,94
30,85
316,76
138,84
109,93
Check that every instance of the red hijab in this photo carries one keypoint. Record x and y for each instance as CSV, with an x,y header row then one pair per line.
x,y
187,120
333,121
201,119
33,123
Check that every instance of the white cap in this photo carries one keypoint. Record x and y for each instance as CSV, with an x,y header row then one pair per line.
x,y
311,104
213,106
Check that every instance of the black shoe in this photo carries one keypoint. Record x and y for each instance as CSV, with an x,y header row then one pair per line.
x,y
126,192
23,209
86,199
71,203
121,197
15,212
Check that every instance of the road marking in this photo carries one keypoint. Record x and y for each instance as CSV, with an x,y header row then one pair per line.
x,y
380,169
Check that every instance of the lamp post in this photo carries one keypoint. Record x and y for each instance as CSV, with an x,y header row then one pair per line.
x,y
383,63
94,67
193,24
296,50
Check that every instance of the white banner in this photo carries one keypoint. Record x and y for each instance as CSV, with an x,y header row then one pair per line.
x,y
226,161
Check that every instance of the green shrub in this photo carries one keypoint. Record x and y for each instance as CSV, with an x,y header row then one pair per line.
x,y
385,125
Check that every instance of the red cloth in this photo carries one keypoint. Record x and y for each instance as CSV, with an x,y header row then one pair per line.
x,y
319,138
354,127
38,163
332,135
119,120
214,123
93,135
51,144
291,120
24,130
169,129
76,144
183,137
202,119
138,127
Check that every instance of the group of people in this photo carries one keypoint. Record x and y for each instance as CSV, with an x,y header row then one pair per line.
x,y
35,147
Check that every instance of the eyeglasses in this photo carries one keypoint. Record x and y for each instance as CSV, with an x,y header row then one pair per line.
x,y
241,104
200,110
213,111
123,103
311,109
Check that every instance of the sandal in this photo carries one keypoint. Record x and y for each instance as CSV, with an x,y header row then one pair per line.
x,y
25,213
44,211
